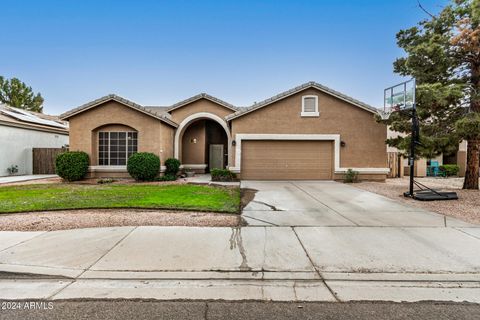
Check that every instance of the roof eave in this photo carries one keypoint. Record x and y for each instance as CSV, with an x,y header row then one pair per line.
x,y
123,101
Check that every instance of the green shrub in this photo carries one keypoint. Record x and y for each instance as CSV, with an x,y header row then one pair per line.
x,y
173,166
450,169
143,166
351,176
167,177
222,175
72,165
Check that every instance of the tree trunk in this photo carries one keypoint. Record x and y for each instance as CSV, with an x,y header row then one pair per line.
x,y
473,162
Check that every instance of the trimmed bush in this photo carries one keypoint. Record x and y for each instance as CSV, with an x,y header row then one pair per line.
x,y
450,169
351,176
72,165
173,166
222,175
143,166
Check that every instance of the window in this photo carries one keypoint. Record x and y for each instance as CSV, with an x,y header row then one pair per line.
x,y
114,148
309,106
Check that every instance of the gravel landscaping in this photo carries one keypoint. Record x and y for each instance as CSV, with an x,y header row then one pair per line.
x,y
466,208
74,219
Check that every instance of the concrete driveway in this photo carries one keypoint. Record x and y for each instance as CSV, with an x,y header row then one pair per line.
x,y
328,203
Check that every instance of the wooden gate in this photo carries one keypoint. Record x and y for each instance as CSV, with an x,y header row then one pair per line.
x,y
44,160
395,165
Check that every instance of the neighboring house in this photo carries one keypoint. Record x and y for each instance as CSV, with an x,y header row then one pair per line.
x,y
21,131
308,132
398,164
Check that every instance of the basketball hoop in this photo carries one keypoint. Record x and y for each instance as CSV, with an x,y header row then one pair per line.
x,y
400,98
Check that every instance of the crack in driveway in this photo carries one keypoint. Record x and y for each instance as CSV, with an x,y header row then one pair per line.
x,y
268,205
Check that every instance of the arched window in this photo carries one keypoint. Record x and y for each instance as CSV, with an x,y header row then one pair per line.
x,y
115,147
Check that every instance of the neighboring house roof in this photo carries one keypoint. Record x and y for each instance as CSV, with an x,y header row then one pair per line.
x,y
311,84
157,109
126,102
160,110
202,96
20,118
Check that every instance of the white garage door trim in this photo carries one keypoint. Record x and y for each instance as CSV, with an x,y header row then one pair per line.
x,y
328,137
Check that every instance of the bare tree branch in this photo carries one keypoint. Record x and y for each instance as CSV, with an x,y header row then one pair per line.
x,y
425,10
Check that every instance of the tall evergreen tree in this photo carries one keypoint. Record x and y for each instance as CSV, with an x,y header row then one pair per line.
x,y
443,54
17,94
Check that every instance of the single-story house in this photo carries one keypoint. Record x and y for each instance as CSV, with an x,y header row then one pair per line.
x,y
21,131
308,132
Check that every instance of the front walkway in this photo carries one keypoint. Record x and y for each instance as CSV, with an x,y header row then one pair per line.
x,y
307,241
206,178
12,179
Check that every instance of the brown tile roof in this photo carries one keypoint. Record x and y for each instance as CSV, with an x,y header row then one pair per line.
x,y
121,100
202,96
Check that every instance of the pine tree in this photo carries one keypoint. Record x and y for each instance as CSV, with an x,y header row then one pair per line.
x,y
443,54
15,93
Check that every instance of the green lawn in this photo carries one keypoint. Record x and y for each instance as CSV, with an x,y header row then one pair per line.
x,y
74,196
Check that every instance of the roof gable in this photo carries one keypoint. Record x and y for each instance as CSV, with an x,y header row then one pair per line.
x,y
123,101
298,89
202,96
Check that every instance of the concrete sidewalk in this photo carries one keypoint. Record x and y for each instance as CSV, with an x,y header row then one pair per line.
x,y
252,263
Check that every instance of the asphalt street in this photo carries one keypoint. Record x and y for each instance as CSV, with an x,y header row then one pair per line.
x,y
138,310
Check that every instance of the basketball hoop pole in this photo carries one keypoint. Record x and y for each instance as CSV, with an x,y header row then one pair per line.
x,y
411,160
414,139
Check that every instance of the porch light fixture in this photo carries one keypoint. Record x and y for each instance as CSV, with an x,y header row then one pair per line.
x,y
194,140
234,143
342,143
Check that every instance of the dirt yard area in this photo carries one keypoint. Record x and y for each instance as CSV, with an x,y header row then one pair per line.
x,y
466,208
73,219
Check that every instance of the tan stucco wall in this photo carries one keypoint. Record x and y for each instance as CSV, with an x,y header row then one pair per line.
x,y
201,105
194,153
364,137
153,135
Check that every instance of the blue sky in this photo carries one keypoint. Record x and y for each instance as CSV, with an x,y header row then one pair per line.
x,y
160,52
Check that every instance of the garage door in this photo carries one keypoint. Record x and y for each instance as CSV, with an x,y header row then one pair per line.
x,y
286,160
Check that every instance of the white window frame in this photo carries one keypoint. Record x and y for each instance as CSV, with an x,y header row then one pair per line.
x,y
310,114
126,150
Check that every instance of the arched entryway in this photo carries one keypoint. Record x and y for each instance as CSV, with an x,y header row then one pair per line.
x,y
202,142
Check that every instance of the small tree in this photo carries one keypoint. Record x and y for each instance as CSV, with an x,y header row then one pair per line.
x,y
17,94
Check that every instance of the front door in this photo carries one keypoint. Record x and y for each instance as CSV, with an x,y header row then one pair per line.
x,y
216,156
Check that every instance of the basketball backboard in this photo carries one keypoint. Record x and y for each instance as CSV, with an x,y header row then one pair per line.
x,y
399,97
